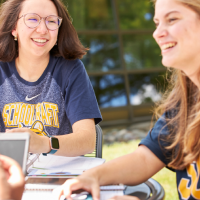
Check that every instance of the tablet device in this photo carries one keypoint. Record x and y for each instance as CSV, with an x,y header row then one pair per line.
x,y
15,145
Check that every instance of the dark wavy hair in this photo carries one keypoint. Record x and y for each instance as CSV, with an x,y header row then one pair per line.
x,y
68,44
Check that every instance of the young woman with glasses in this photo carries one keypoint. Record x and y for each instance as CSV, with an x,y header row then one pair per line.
x,y
44,87
174,141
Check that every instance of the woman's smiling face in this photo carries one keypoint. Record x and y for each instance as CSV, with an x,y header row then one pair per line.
x,y
177,34
36,41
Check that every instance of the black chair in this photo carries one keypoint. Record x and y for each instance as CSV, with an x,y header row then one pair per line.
x,y
150,190
99,143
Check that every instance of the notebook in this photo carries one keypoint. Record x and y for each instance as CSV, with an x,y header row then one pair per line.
x,y
15,145
41,188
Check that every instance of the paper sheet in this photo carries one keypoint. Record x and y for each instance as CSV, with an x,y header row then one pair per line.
x,y
42,195
104,195
55,172
60,165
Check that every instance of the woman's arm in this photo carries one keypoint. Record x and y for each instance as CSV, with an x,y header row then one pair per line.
x,y
131,169
80,142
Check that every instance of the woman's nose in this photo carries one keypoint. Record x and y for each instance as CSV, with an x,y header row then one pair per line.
x,y
42,27
161,31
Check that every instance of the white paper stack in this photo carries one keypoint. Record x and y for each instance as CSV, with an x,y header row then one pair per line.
x,y
51,165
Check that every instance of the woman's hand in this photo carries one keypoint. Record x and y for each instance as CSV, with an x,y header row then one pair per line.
x,y
38,144
11,179
87,182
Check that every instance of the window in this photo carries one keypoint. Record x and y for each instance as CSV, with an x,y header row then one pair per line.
x,y
124,62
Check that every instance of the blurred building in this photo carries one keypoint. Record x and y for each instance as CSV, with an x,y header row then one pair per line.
x,y
124,62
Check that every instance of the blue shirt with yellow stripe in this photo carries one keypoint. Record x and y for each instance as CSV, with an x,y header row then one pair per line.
x,y
188,180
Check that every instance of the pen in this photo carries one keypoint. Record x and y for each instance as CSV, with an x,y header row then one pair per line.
x,y
81,197
89,197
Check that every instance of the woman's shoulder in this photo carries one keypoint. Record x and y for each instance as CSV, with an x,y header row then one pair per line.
x,y
7,67
66,64
6,64
6,70
63,69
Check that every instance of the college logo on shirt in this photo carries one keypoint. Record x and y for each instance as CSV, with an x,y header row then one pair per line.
x,y
24,115
189,186
37,127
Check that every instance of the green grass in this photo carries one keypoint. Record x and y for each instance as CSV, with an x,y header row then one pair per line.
x,y
165,177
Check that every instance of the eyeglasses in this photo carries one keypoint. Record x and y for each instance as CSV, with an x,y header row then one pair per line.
x,y
33,20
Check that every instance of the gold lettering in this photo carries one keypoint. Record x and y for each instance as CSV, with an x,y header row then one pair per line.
x,y
43,114
22,113
54,107
12,107
195,191
32,115
5,114
16,114
38,111
184,189
49,114
28,114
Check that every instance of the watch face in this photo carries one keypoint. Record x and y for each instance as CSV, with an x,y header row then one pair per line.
x,y
54,143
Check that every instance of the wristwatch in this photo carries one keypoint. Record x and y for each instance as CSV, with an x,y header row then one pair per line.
x,y
54,144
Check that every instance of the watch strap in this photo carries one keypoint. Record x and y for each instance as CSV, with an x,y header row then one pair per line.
x,y
52,150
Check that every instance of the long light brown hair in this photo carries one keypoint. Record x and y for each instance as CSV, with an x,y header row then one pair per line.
x,y
68,44
182,101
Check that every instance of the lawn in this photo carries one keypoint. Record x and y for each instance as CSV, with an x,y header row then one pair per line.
x,y
165,177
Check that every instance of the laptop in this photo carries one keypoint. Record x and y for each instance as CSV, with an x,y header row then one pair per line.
x,y
15,145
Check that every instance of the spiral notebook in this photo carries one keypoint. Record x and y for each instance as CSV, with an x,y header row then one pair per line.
x,y
41,188
41,192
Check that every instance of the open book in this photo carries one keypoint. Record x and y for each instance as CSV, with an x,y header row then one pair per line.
x,y
52,165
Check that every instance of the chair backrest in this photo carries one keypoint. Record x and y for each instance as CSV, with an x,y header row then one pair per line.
x,y
157,191
150,190
99,143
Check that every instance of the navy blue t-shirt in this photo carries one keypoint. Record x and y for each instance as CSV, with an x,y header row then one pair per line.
x,y
188,180
52,104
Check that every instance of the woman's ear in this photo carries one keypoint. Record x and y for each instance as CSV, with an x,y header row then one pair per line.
x,y
14,32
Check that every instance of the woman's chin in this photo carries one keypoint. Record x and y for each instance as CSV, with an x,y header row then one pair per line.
x,y
168,63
